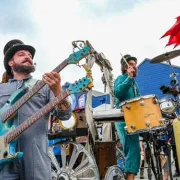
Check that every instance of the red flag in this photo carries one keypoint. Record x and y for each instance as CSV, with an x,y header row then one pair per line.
x,y
174,33
177,39
174,39
178,18
173,30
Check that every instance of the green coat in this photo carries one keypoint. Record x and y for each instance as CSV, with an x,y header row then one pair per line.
x,y
124,90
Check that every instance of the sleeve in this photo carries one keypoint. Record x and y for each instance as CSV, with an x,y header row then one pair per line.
x,y
60,114
121,86
138,92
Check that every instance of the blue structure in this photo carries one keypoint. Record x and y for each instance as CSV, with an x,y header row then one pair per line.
x,y
152,76
78,100
99,100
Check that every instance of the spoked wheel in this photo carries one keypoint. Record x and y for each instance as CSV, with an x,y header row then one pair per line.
x,y
77,164
114,173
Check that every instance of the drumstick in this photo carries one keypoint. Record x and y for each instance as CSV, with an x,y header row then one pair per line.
x,y
125,60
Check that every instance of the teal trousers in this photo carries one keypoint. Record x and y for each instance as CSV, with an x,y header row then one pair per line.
x,y
131,148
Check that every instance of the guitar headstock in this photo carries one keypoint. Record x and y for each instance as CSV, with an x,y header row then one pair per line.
x,y
77,56
80,86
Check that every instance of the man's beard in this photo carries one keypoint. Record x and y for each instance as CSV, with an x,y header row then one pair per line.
x,y
23,69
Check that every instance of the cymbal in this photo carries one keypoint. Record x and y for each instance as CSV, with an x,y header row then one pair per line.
x,y
165,56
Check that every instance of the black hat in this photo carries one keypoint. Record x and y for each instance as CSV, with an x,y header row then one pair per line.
x,y
128,58
11,48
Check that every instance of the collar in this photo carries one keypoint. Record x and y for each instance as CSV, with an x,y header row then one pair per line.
x,y
26,78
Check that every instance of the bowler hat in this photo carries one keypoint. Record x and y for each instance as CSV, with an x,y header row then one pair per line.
x,y
11,48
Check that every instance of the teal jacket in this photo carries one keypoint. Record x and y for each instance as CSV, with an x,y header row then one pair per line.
x,y
125,88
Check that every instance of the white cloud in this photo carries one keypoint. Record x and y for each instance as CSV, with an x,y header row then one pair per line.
x,y
136,31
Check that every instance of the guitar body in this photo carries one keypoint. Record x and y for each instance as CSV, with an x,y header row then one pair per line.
x,y
12,100
8,153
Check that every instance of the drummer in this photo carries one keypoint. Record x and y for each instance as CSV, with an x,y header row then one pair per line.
x,y
125,88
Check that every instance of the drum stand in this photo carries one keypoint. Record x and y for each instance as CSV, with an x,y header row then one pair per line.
x,y
158,143
153,149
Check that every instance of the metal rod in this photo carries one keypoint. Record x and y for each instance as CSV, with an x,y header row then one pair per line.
x,y
169,62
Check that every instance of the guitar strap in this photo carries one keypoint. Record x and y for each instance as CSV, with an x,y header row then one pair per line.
x,y
30,83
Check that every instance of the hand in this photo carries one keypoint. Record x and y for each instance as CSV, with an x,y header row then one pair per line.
x,y
130,71
53,80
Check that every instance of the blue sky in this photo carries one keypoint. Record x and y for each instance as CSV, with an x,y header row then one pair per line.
x,y
16,18
112,26
108,8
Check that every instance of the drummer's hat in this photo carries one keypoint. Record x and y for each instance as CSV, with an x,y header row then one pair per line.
x,y
128,57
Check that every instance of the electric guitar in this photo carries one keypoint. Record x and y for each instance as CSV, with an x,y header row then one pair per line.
x,y
8,139
21,96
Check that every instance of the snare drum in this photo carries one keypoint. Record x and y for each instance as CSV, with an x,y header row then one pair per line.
x,y
167,105
142,114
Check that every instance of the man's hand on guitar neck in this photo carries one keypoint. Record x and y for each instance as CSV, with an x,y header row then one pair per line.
x,y
53,80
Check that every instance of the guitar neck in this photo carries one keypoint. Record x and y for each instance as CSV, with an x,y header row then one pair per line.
x,y
26,124
30,93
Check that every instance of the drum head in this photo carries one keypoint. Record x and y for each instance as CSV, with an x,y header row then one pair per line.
x,y
167,105
165,100
137,99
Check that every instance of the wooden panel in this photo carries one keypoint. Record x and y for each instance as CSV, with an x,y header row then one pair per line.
x,y
105,154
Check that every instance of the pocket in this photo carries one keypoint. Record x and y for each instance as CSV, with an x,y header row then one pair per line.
x,y
34,104
4,98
